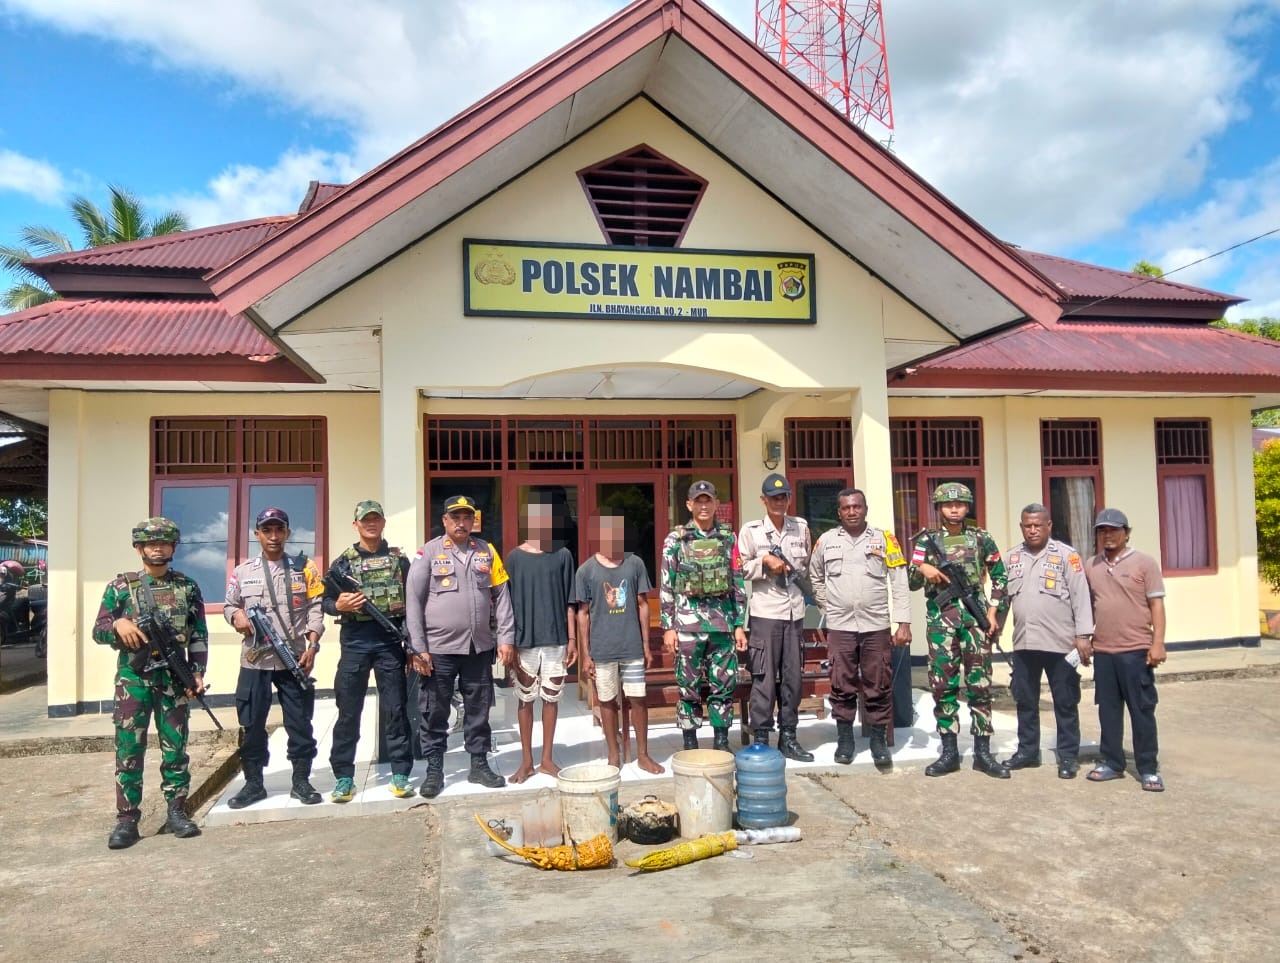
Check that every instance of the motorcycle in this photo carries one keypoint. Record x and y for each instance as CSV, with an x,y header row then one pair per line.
x,y
23,611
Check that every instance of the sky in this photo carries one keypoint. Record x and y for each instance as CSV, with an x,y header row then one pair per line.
x,y
1105,130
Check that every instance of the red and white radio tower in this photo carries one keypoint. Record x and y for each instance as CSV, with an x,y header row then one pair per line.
x,y
836,47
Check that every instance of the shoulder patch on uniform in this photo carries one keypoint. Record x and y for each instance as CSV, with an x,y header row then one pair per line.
x,y
1074,561
893,552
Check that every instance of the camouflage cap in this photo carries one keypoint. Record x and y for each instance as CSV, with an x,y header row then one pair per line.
x,y
155,529
952,492
368,507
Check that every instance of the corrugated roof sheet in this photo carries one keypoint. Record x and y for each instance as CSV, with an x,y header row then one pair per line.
x,y
132,328
198,251
1077,279
1137,348
318,193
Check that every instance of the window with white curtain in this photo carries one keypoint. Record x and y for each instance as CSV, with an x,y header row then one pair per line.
x,y
1184,478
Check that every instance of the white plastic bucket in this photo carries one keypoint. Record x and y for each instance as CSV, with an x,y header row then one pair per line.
x,y
704,791
589,801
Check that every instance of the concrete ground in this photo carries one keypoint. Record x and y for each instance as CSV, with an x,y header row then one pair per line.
x,y
892,867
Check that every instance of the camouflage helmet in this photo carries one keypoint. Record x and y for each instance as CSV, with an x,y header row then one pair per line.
x,y
156,529
952,492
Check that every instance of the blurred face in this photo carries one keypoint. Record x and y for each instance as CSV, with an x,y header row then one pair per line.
x,y
954,512
272,537
458,524
609,533
1112,539
852,510
703,509
539,522
156,553
370,527
1036,529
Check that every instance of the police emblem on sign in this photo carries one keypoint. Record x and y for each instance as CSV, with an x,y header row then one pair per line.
x,y
791,279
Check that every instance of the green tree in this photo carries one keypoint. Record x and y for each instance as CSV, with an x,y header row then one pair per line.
x,y
1266,494
125,219
25,517
1149,269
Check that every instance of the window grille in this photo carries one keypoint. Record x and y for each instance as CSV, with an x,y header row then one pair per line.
x,y
641,198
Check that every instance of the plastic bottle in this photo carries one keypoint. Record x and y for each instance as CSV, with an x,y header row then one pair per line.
x,y
762,787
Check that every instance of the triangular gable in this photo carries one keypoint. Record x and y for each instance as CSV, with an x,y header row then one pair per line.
x,y
720,86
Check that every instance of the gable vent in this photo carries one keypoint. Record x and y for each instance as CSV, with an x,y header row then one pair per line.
x,y
641,198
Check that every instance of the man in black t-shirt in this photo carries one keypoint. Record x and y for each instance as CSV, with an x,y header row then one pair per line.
x,y
546,633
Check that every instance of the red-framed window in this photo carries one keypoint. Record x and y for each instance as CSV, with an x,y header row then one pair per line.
x,y
1184,480
819,464
925,452
1071,477
213,475
641,198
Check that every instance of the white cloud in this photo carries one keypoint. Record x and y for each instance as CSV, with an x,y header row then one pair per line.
x,y
35,178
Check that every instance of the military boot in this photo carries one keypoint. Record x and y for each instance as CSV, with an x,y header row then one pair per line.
x,y
788,746
690,738
948,760
302,789
253,791
482,774
721,740
880,754
124,835
845,745
761,737
433,781
983,761
178,822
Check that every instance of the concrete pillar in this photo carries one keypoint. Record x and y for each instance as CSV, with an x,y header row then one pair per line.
x,y
67,615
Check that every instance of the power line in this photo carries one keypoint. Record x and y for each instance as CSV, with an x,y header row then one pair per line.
x,y
1165,274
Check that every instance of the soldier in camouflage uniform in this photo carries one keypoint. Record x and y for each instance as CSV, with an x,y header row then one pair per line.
x,y
144,687
956,643
704,606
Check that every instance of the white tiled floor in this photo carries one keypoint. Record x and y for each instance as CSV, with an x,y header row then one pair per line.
x,y
577,740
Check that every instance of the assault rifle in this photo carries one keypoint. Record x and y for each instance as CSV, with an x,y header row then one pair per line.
x,y
266,632
167,653
791,573
960,589
346,582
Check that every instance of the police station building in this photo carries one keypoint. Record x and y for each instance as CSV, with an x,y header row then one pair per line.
x,y
655,256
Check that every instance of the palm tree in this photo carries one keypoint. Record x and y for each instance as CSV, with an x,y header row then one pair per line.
x,y
124,220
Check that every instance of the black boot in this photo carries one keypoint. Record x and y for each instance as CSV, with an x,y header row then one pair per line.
x,y
948,760
983,761
178,822
721,740
880,754
761,737
845,745
252,792
433,781
788,746
482,774
302,789
124,835
1023,759
690,738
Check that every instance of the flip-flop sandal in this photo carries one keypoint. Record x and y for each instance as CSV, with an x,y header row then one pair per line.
x,y
1152,783
1104,774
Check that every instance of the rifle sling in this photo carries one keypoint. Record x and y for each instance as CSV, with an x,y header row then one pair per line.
x,y
286,621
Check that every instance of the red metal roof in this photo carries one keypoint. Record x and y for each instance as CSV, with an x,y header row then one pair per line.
x,y
1074,354
318,193
198,251
104,327
1080,280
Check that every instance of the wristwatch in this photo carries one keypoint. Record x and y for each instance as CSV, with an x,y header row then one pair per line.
x,y
313,647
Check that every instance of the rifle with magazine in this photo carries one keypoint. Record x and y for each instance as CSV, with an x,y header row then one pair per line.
x,y
341,580
167,652
790,574
266,635
960,589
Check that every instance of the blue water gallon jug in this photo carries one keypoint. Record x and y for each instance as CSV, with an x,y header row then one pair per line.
x,y
762,787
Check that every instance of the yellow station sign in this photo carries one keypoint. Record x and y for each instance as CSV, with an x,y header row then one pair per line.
x,y
525,279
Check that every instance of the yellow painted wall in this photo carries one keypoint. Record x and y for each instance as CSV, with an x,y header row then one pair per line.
x,y
100,486
1216,606
417,299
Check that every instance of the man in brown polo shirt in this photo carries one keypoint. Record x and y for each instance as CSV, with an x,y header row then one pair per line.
x,y
1128,643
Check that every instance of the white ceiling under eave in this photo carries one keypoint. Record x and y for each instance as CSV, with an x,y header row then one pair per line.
x,y
690,88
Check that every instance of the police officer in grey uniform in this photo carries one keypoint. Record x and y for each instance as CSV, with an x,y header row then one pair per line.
x,y
773,549
859,580
455,584
1052,624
